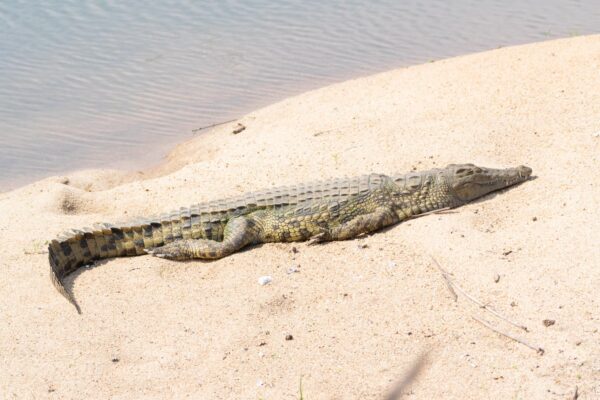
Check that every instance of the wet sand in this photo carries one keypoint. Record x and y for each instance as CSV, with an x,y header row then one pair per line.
x,y
360,312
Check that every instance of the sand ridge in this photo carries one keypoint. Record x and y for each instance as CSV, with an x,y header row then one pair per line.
x,y
360,312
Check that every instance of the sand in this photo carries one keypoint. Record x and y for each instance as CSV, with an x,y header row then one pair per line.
x,y
360,312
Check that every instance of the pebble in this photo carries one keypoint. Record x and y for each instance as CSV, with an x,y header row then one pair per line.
x,y
263,280
548,322
293,269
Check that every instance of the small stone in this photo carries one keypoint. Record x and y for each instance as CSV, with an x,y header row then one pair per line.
x,y
264,280
294,250
362,245
293,269
577,343
534,219
115,360
289,337
507,252
497,278
548,322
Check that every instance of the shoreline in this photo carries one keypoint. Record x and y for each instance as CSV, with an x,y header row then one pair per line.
x,y
178,157
360,312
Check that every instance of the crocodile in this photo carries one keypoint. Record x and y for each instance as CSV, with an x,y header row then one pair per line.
x,y
337,209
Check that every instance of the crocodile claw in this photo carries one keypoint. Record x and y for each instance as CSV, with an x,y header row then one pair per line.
x,y
318,238
154,253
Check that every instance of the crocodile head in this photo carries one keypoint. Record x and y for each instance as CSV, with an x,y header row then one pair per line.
x,y
468,182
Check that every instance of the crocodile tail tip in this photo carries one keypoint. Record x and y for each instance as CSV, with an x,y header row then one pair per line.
x,y
54,276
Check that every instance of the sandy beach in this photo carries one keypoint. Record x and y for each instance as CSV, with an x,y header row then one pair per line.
x,y
360,313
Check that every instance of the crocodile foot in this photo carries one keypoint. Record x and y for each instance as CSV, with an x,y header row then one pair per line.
x,y
323,236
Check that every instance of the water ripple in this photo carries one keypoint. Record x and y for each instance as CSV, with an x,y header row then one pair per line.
x,y
97,83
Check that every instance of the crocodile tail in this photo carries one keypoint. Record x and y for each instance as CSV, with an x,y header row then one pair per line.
x,y
55,276
76,248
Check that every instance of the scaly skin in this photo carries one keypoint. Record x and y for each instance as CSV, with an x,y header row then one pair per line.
x,y
332,210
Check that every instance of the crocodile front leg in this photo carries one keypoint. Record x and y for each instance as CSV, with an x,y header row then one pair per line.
x,y
366,223
239,232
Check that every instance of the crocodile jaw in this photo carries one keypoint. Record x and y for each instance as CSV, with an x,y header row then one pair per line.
x,y
468,182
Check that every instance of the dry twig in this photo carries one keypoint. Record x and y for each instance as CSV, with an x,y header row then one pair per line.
x,y
447,279
319,133
486,307
324,132
538,349
238,128
213,125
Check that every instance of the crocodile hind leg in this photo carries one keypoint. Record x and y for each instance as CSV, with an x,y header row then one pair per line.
x,y
365,223
239,232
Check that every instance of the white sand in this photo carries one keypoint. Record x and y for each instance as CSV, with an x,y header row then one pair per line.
x,y
359,317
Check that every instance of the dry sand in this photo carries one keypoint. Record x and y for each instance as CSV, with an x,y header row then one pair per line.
x,y
359,317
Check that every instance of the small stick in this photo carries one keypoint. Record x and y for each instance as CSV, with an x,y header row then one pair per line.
x,y
447,279
576,394
474,300
213,125
324,132
319,133
538,349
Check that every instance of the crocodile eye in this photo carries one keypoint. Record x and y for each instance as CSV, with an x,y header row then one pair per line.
x,y
464,171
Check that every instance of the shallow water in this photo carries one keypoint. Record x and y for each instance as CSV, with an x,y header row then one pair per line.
x,y
116,84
